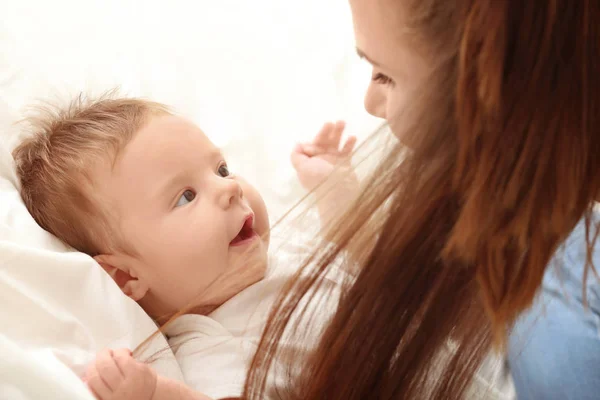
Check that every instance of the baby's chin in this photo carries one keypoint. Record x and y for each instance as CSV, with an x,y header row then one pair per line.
x,y
241,273
253,268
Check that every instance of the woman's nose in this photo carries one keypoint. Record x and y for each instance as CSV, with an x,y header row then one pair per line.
x,y
230,192
376,100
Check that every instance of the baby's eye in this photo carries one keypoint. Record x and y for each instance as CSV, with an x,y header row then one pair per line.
x,y
187,197
382,79
223,170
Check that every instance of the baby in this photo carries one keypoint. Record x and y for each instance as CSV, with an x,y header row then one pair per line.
x,y
148,195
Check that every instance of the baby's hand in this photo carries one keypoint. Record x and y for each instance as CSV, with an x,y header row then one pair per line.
x,y
315,161
116,375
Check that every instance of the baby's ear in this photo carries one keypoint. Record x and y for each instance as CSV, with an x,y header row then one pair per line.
x,y
124,276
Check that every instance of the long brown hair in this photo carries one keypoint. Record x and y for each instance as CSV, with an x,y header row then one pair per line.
x,y
458,230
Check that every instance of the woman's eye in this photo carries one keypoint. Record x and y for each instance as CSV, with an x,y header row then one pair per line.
x,y
186,197
223,171
382,79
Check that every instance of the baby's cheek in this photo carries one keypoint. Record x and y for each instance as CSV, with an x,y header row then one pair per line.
x,y
260,209
262,218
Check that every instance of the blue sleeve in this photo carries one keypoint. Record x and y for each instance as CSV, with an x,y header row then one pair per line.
x,y
554,349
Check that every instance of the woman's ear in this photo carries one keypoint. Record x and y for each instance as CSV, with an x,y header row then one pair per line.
x,y
121,271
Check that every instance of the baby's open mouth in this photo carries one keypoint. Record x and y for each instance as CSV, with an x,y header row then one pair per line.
x,y
246,234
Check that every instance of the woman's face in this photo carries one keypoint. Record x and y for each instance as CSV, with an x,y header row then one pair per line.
x,y
397,67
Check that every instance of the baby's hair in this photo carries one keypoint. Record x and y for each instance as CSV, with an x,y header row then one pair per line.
x,y
53,164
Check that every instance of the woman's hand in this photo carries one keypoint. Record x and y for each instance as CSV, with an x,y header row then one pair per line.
x,y
327,153
116,375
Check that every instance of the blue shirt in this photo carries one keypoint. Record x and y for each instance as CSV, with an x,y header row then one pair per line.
x,y
554,349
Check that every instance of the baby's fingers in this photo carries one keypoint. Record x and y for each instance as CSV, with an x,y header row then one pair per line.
x,y
109,371
349,146
336,134
140,379
323,138
97,386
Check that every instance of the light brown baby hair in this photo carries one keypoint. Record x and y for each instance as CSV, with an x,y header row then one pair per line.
x,y
53,165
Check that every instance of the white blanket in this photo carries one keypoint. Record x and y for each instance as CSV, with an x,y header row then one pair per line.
x,y
37,374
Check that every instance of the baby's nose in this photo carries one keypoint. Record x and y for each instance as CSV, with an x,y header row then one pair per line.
x,y
231,193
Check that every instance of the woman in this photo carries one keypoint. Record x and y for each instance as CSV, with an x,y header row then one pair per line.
x,y
499,103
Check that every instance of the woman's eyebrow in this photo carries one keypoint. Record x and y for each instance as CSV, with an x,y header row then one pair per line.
x,y
362,54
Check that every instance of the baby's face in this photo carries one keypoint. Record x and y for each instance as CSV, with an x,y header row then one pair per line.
x,y
195,227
